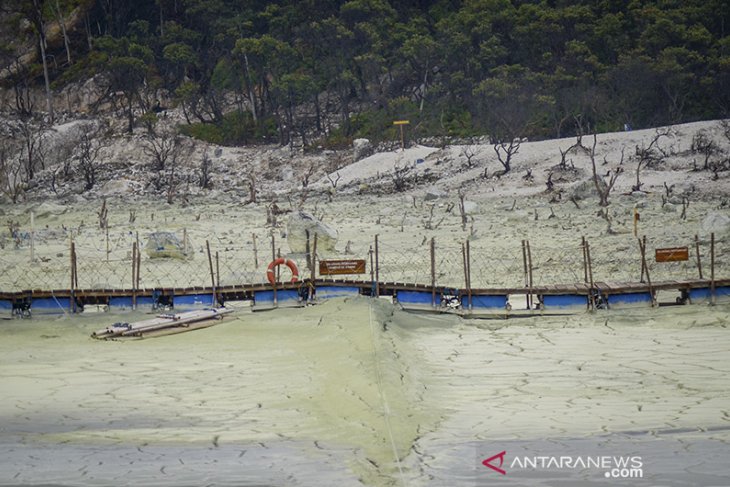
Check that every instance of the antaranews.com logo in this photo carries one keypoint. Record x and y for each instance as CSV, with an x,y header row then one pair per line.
x,y
613,467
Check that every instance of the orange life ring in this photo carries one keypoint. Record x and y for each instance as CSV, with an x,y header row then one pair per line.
x,y
271,275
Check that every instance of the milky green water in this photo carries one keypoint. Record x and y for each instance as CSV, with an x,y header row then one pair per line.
x,y
349,392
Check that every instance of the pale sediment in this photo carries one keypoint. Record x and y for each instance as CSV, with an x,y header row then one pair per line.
x,y
304,393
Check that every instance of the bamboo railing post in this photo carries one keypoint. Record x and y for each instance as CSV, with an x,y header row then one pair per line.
x,y
712,268
278,268
32,236
699,261
255,252
139,263
273,258
585,260
212,273
273,246
524,263
73,276
372,272
525,273
185,242
377,268
468,272
645,268
134,275
313,275
308,251
314,260
592,300
217,271
529,269
76,268
433,272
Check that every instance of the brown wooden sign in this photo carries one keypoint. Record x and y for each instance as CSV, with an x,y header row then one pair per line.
x,y
337,267
674,254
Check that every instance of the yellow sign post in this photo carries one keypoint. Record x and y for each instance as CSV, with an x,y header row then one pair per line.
x,y
401,123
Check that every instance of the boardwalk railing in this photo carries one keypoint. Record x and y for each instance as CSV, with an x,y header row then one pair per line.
x,y
119,262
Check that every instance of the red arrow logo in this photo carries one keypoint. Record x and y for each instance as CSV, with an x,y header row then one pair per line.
x,y
487,463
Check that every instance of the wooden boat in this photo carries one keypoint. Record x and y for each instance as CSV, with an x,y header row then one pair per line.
x,y
164,324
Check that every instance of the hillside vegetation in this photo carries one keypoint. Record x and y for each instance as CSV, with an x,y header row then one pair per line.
x,y
285,71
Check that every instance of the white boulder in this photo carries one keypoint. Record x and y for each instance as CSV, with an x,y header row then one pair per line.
x,y
300,223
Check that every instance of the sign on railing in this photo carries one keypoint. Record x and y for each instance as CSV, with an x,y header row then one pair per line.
x,y
339,267
673,254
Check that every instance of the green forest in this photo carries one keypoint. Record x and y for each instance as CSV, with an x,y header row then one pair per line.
x,y
330,71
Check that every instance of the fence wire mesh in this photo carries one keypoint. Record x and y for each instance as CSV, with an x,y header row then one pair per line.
x,y
43,261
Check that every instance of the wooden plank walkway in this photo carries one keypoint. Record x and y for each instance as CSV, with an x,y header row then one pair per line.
x,y
247,291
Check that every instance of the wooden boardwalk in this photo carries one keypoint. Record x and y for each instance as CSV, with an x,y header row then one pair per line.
x,y
416,296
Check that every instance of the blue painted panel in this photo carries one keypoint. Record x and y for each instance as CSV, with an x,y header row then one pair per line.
x,y
485,301
5,304
51,305
193,300
706,293
125,302
264,297
629,298
564,300
699,294
415,297
326,292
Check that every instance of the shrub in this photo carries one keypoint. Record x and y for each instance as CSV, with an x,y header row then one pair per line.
x,y
237,128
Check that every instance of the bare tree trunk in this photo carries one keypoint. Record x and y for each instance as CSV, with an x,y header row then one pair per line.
x,y
62,22
42,42
251,95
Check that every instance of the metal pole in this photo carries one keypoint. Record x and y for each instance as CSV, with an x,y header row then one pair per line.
x,y
255,252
